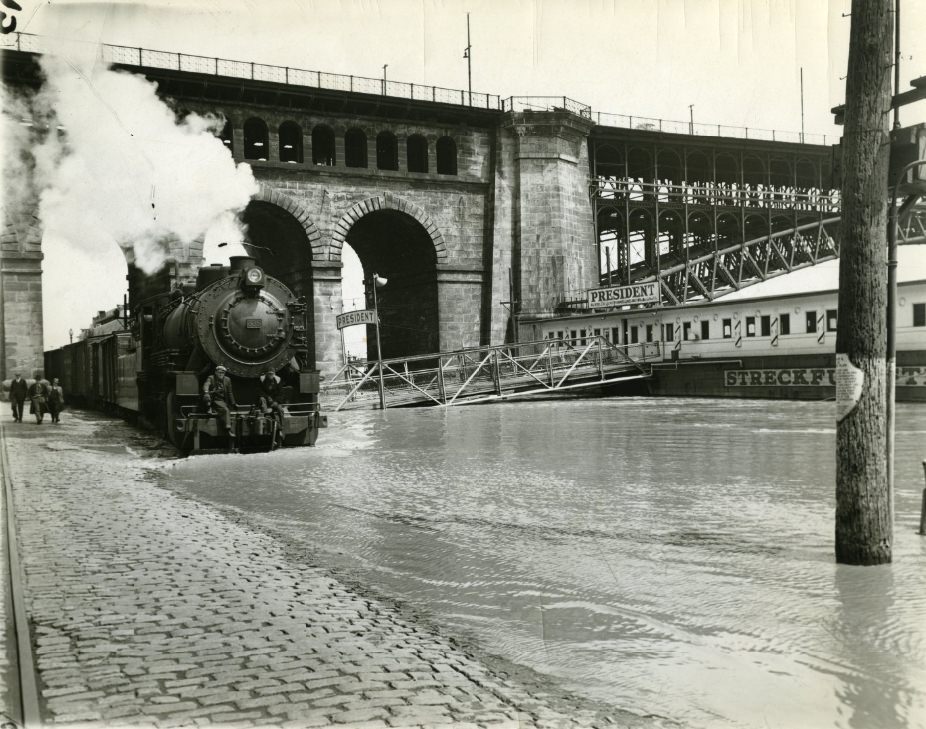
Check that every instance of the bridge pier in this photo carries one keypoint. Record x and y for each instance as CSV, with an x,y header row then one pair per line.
x,y
21,337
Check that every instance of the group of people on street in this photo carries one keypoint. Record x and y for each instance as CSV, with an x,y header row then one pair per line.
x,y
219,398
43,396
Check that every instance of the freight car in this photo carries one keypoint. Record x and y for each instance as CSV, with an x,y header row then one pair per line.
x,y
154,368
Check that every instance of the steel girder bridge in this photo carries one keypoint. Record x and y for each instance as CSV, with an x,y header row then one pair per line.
x,y
700,243
484,374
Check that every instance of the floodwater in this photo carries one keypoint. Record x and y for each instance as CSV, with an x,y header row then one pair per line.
x,y
665,556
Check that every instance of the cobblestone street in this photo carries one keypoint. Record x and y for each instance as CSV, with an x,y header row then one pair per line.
x,y
151,610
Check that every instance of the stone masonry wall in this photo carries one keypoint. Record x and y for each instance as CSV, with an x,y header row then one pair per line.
x,y
21,336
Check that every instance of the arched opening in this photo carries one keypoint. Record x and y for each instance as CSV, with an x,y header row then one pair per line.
x,y
611,244
256,139
417,153
279,244
290,142
323,146
387,151
395,246
353,299
609,162
355,148
227,136
446,156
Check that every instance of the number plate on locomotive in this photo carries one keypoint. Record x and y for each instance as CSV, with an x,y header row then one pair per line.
x,y
253,323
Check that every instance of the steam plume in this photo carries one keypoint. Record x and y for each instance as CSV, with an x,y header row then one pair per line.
x,y
125,170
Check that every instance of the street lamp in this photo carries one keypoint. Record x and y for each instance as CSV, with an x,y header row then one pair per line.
x,y
379,282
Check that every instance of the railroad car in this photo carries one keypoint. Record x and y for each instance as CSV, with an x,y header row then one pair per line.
x,y
768,346
155,365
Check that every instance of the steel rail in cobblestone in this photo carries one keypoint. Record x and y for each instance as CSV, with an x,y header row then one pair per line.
x,y
28,693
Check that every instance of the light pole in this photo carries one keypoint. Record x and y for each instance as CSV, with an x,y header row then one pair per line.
x,y
691,119
385,66
377,282
468,55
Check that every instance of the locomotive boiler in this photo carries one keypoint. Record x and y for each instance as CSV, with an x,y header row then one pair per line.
x,y
250,323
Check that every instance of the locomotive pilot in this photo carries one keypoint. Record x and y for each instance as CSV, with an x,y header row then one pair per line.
x,y
218,396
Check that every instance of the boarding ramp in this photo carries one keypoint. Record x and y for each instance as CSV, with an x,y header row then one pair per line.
x,y
482,374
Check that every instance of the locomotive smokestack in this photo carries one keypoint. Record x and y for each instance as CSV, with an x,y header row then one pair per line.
x,y
239,263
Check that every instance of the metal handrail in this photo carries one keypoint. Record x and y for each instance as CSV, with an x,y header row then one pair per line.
x,y
215,66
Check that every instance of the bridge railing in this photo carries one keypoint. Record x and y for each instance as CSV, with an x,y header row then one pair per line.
x,y
546,103
484,373
775,197
148,58
671,126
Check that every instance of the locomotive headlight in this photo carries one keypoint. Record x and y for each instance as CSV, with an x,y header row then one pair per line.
x,y
254,277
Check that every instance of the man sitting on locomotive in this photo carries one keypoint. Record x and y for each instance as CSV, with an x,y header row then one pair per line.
x,y
218,396
271,393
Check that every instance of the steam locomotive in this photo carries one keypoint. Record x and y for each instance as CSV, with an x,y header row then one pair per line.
x,y
154,366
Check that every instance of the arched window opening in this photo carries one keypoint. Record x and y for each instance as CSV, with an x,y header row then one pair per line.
x,y
355,148
323,146
290,142
417,153
256,139
387,151
227,135
446,156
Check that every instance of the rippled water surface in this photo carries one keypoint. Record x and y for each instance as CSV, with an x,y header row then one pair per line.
x,y
666,556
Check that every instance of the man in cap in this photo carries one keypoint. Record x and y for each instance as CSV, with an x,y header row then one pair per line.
x,y
271,392
218,394
18,391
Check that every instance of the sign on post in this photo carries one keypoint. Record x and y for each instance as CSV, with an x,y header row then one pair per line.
x,y
614,296
361,316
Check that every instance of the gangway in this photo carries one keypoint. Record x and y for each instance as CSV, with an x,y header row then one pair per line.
x,y
483,374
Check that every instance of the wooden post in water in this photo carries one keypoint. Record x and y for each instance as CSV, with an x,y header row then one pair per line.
x,y
864,519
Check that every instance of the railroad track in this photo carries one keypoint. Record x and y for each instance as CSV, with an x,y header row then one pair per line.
x,y
23,688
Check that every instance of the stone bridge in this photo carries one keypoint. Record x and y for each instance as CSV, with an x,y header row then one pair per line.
x,y
463,204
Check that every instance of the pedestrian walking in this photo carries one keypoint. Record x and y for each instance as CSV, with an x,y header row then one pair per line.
x,y
19,389
55,400
38,402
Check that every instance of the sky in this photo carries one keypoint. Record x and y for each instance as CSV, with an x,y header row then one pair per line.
x,y
739,62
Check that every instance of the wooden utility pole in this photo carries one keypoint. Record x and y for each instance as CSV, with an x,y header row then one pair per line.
x,y
864,522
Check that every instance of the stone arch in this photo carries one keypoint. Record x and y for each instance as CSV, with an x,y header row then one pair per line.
x,y
386,201
267,194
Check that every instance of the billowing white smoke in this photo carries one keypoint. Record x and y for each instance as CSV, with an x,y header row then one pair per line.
x,y
125,170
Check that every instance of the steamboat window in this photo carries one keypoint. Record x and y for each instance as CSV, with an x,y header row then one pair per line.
x,y
668,332
766,323
784,324
727,328
417,153
355,148
811,318
686,330
750,326
615,335
649,332
705,330
634,334
919,315
573,334
323,146
387,151
831,318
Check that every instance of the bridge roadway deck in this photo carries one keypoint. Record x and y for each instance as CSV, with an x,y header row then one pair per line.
x,y
148,609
